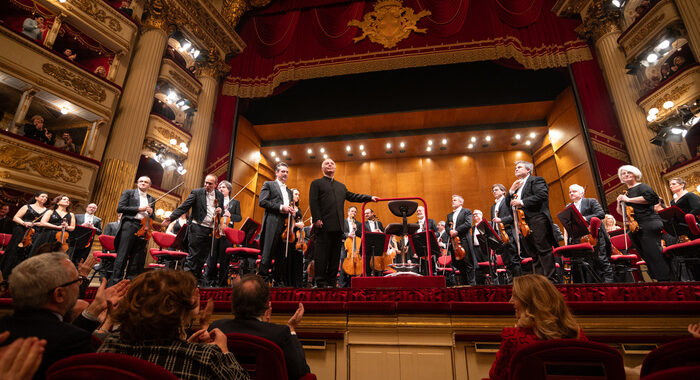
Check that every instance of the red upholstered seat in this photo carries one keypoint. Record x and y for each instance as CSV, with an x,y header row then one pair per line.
x,y
107,242
262,358
236,237
106,366
104,255
163,256
526,260
681,352
566,358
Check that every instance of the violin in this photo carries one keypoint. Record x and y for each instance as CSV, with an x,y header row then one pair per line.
x,y
62,237
629,212
147,228
520,216
502,233
459,251
352,265
288,232
28,235
590,240
301,245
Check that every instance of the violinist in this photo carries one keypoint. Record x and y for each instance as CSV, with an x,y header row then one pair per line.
x,y
175,227
55,221
589,207
531,194
372,223
205,203
502,221
295,257
89,219
26,217
134,205
459,222
641,199
685,200
218,259
442,235
351,229
477,241
275,198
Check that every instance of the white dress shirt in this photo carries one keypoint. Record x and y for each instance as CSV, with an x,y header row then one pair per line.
x,y
143,201
285,196
209,219
520,190
455,214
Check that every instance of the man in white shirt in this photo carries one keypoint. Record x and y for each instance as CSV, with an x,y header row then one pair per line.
x,y
460,221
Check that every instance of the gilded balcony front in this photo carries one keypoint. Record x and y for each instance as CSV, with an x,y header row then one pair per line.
x,y
188,86
683,88
638,37
162,131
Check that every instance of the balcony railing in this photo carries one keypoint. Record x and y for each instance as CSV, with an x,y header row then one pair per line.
x,y
162,131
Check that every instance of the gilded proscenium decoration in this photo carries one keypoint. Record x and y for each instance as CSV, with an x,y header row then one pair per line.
x,y
81,85
389,23
91,8
233,10
646,29
21,159
600,20
213,66
182,81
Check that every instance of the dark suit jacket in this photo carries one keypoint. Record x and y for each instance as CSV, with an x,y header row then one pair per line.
x,y
432,226
234,207
590,208
535,197
326,200
279,334
273,221
96,222
111,229
444,238
379,225
346,228
6,224
464,223
197,201
129,206
62,339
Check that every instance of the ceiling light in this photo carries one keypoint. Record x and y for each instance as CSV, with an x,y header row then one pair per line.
x,y
388,145
277,159
347,148
651,118
473,138
664,44
616,3
362,147
186,45
173,142
428,149
644,63
517,136
185,149
487,138
653,111
652,58
364,153
444,141
527,142
325,156
402,145
430,142
668,104
284,152
470,146
532,135
183,145
273,154
309,151
322,150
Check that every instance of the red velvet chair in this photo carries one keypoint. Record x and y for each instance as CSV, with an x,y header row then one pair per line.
x,y
237,237
106,366
262,358
4,241
499,270
683,253
687,372
679,353
627,265
163,257
106,256
567,359
579,254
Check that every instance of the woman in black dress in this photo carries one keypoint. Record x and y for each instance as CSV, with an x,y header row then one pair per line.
x,y
647,239
26,217
685,200
53,221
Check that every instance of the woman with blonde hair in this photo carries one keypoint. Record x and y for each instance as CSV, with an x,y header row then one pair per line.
x,y
541,314
610,223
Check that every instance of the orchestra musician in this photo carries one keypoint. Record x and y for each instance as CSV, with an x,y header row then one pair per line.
x,y
218,261
647,239
54,221
326,199
174,227
533,198
26,217
294,263
206,203
276,199
610,224
459,223
112,227
432,226
442,235
88,219
479,246
502,213
372,223
589,207
685,200
351,228
134,205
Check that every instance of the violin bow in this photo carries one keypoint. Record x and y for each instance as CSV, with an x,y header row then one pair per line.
x,y
623,212
243,188
516,228
163,196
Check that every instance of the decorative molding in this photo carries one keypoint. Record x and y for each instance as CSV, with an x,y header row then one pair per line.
x,y
568,8
684,88
214,66
182,81
636,39
610,151
389,23
645,30
14,157
600,20
81,85
94,10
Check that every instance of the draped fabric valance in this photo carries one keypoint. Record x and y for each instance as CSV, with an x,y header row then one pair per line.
x,y
292,40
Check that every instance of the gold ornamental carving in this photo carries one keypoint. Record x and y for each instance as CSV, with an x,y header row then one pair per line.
x,y
91,8
646,29
610,151
389,23
600,20
182,81
168,134
81,85
213,66
20,159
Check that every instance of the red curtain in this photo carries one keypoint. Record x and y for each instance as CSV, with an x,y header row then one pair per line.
x,y
518,13
331,24
222,131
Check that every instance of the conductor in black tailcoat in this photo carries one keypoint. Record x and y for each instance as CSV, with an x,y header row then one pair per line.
x,y
531,193
206,204
326,199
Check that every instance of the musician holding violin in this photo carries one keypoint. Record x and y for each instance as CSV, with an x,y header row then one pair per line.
x,y
56,225
643,223
218,261
135,205
294,263
459,221
530,194
23,233
502,223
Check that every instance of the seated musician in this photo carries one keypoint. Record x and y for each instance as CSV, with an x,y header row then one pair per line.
x,y
372,223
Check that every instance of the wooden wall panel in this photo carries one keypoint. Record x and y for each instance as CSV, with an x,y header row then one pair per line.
x,y
563,120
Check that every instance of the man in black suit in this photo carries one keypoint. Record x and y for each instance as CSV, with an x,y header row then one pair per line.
x,y
589,207
44,291
218,262
113,227
90,220
442,236
351,228
459,221
250,302
502,213
134,205
6,223
432,226
326,199
531,194
205,203
275,198
371,223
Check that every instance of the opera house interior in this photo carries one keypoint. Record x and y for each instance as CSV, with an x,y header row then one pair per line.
x,y
418,174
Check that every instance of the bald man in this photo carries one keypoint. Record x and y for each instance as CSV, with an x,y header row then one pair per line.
x,y
326,200
89,219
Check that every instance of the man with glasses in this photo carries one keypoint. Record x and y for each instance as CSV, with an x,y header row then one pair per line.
x,y
206,203
44,291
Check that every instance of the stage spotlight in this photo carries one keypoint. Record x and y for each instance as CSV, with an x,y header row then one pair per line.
x,y
517,136
430,142
322,150
388,145
362,147
470,146
428,149
528,143
444,141
532,135
402,145
487,138
473,139
364,153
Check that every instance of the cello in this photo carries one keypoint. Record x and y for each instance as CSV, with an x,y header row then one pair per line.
x,y
352,265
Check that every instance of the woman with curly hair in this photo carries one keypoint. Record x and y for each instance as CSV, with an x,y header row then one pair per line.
x,y
153,319
541,314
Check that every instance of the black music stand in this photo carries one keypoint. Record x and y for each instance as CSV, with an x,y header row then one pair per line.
x,y
376,244
494,244
80,242
251,228
181,241
577,227
417,241
574,223
674,221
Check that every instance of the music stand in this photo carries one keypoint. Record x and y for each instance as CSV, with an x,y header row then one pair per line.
x,y
493,242
251,228
402,229
80,240
180,243
674,221
376,243
577,227
574,223
417,241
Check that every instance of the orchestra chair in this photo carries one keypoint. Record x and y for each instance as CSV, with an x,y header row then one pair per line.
x,y
678,353
580,255
106,256
238,252
4,241
163,257
106,366
567,359
262,358
500,271
682,254
685,372
626,267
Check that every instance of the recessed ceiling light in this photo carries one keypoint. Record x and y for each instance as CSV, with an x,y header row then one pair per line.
x,y
362,147
428,149
388,145
284,152
325,156
652,57
277,159
651,118
309,151
364,153
487,138
473,139
470,146
430,142
402,145
517,136
273,154
664,44
348,148
323,150
527,142
444,141
532,135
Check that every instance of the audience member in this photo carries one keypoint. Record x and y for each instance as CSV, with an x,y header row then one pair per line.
x,y
36,130
250,302
34,28
100,71
153,318
610,223
66,143
541,314
113,227
44,290
6,223
20,360
70,55
125,7
694,330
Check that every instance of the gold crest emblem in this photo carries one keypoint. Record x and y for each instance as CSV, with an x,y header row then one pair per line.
x,y
389,23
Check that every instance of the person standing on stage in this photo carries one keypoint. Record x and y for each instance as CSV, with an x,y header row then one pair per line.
x,y
26,217
459,222
502,213
326,199
134,205
685,200
589,208
276,199
89,219
294,262
477,241
206,203
432,226
372,224
351,228
218,263
647,239
113,227
53,222
531,194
